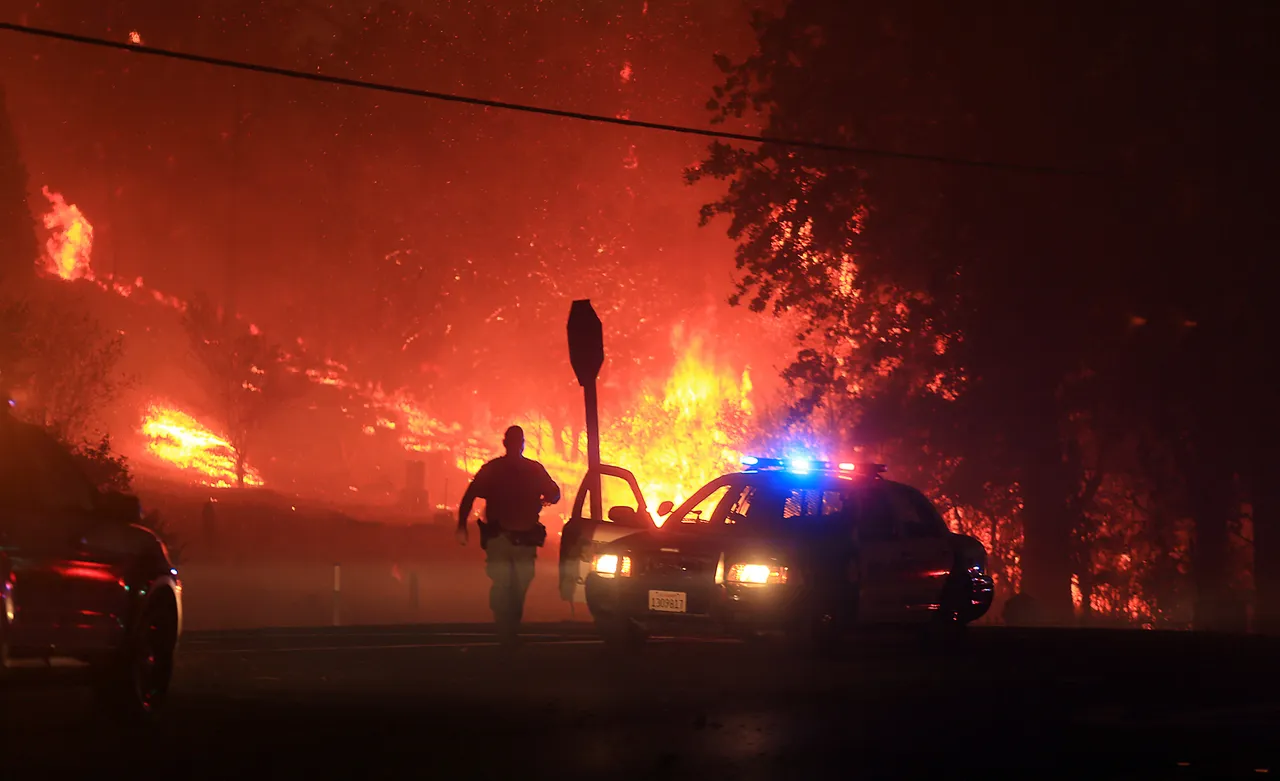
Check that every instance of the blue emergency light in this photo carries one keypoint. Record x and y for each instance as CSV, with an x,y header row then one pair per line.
x,y
806,465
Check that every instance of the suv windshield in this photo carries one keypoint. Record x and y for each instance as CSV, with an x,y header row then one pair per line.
x,y
765,502
771,502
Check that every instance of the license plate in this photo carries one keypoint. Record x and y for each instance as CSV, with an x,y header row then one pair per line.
x,y
667,601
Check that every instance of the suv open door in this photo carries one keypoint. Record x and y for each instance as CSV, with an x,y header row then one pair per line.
x,y
583,534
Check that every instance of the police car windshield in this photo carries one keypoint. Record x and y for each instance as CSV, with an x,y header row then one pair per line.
x,y
765,501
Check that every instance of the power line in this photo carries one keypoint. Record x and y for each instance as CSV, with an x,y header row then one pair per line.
x,y
528,109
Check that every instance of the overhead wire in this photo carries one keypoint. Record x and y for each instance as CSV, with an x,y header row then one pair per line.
x,y
449,97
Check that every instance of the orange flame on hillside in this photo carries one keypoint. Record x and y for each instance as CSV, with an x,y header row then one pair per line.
x,y
177,439
71,241
69,250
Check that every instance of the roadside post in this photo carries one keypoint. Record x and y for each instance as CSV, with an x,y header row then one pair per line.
x,y
337,592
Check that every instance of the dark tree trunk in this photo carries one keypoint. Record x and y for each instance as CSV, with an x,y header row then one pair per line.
x,y
240,468
1266,548
1048,490
1046,550
1210,494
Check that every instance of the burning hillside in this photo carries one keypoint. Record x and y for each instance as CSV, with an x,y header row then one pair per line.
x,y
676,434
176,438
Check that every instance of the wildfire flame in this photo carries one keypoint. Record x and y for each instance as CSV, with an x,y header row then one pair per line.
x,y
176,438
70,248
685,435
71,241
677,437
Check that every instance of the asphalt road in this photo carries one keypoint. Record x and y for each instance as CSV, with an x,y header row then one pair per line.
x,y
405,702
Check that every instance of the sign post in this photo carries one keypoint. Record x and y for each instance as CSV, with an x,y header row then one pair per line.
x,y
586,354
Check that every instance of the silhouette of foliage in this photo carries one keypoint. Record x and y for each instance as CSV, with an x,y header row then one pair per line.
x,y
245,380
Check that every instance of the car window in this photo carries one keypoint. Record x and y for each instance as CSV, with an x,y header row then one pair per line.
x,y
615,491
803,503
875,517
916,514
737,512
760,508
769,507
833,503
702,507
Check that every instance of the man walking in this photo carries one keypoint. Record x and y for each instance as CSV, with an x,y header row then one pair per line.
x,y
514,489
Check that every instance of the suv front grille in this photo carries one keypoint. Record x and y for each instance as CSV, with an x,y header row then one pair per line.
x,y
673,565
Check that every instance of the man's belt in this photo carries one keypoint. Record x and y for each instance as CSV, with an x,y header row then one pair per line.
x,y
535,537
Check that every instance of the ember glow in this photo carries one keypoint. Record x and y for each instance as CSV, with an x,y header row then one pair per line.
x,y
177,439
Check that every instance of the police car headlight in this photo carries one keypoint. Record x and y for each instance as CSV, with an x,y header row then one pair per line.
x,y
759,574
611,565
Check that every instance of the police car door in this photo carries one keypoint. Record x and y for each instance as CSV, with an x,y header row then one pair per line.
x,y
878,565
925,550
583,534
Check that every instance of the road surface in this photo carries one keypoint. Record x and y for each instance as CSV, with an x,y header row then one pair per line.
x,y
442,701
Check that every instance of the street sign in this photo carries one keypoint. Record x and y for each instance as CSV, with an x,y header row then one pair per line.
x,y
586,354
586,342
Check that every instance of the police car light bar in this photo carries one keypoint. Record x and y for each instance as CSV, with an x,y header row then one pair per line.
x,y
807,465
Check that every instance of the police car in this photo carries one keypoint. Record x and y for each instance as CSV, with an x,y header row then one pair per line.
x,y
803,547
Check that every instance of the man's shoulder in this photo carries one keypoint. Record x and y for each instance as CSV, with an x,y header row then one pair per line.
x,y
532,465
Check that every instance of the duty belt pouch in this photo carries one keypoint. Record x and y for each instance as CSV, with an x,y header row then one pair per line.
x,y
534,537
485,534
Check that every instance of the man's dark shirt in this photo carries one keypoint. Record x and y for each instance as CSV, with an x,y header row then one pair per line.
x,y
514,489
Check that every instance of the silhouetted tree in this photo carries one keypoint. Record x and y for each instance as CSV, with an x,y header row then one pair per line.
x,y
246,382
949,306
18,247
69,367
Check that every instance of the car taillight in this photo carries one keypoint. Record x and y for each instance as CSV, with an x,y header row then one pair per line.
x,y
756,573
606,564
611,565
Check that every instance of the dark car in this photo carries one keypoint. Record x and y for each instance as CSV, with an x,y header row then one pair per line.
x,y
805,548
84,588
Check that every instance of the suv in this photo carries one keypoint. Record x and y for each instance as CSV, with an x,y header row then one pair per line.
x,y
803,547
83,586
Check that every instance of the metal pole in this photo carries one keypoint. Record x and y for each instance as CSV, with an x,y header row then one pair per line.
x,y
337,591
593,450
